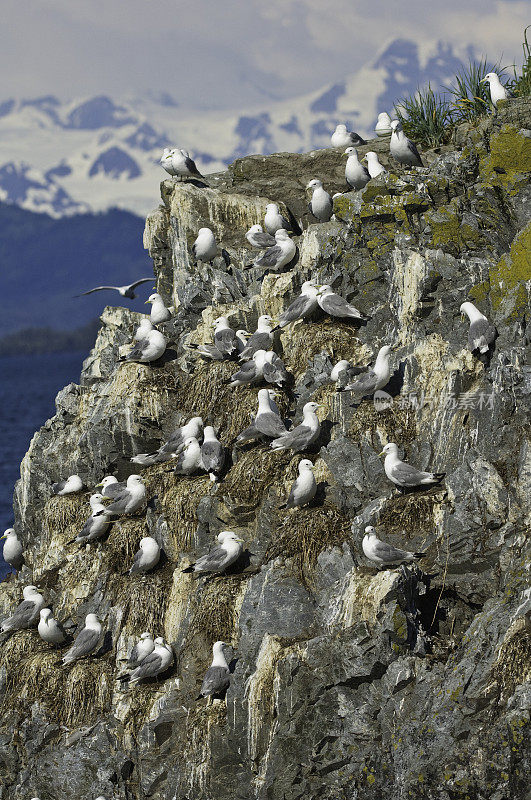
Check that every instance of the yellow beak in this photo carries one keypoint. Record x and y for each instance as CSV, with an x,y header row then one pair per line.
x,y
381,454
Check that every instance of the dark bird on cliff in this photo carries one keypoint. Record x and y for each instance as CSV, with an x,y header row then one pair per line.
x,y
26,613
403,149
375,378
383,553
12,550
321,205
217,677
303,435
124,291
70,486
341,137
212,453
147,557
481,333
403,475
221,557
302,306
334,305
86,641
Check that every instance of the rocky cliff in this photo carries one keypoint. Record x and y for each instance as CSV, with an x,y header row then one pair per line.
x,y
347,682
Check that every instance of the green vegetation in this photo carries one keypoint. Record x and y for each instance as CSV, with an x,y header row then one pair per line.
x,y
426,116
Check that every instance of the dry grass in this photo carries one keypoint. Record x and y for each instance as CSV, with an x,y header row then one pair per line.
x,y
179,504
410,513
304,534
142,600
65,515
513,666
393,424
256,471
123,541
303,342
215,616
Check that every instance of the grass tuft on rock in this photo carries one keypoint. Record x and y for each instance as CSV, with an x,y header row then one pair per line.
x,y
142,600
216,615
255,472
513,666
65,515
303,342
410,513
392,424
179,504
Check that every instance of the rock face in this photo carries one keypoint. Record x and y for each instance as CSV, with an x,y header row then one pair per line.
x,y
347,682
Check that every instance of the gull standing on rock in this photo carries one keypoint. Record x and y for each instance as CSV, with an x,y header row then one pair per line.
x,y
49,629
157,662
383,126
224,336
149,348
343,138
497,90
304,488
189,459
274,221
96,525
147,557
205,247
141,650
86,641
72,485
266,423
217,677
373,165
26,613
302,306
301,437
334,305
257,237
403,149
166,161
261,339
403,475
481,333
274,370
212,454
159,312
12,551
110,486
356,174
251,371
221,557
376,378
383,553
183,165
320,205
281,254
130,499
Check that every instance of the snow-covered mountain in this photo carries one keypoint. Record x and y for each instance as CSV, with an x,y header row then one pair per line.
x,y
98,152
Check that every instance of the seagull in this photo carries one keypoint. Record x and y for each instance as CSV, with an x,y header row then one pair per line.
x,y
356,174
166,161
373,165
274,370
174,445
301,437
250,372
383,553
343,138
257,237
110,486
86,641
141,650
148,349
281,254
383,126
320,205
403,475
343,372
261,339
221,557
125,291
304,488
96,525
336,306
205,248
183,165
130,499
189,460
26,613
497,90
147,557
12,550
481,333
145,326
273,220
302,306
266,423
211,353
49,629
403,149
217,677
224,337
159,312
153,664
70,486
375,378
212,454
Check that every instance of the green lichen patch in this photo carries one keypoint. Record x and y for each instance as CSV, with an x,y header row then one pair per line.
x,y
509,295
449,232
510,150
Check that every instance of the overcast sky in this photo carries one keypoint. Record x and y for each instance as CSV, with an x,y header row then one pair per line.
x,y
227,53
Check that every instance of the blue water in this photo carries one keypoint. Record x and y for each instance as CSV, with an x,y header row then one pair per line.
x,y
28,385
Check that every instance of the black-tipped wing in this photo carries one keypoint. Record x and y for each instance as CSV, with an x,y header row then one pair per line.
x,y
58,487
191,167
408,476
216,681
386,552
214,561
356,139
142,280
270,258
412,147
481,334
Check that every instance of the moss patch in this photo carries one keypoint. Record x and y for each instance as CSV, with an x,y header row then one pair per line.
x,y
509,295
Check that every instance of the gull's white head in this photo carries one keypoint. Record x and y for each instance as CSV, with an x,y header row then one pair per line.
x,y
145,541
341,128
204,232
134,480
311,407
314,184
146,635
271,207
259,355
91,621
385,350
9,532
95,499
265,319
29,591
384,117
159,640
371,156
490,76
390,449
154,298
224,535
220,321
351,151
46,613
369,530
255,229
396,125
305,464
282,235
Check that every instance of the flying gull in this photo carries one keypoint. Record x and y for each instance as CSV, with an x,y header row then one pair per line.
x,y
274,221
336,306
261,339
183,166
86,641
147,557
125,291
189,459
403,149
251,371
274,370
383,126
212,453
266,423
383,553
375,378
70,486
150,348
302,306
159,312
402,474
157,662
26,613
221,557
205,248
343,138
97,524
217,677
320,205
49,629
373,165
481,333
301,437
356,174
130,499
141,650
304,488
281,254
174,445
12,551
497,90
257,237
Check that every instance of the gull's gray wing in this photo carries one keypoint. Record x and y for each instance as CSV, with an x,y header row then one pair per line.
x,y
270,425
214,561
97,289
84,644
365,384
264,239
275,372
213,456
247,434
210,351
258,341
148,668
22,616
270,258
246,373
297,439
216,681
225,340
142,280
135,566
298,309
173,445
58,487
336,306
388,553
120,502
412,147
408,476
480,334
138,350
113,490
